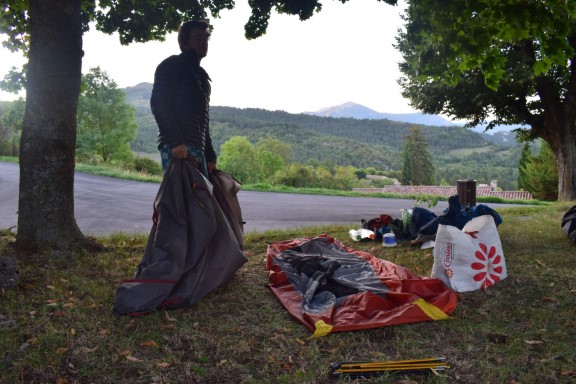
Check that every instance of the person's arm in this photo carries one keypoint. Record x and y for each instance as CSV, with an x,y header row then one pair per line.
x,y
162,102
210,153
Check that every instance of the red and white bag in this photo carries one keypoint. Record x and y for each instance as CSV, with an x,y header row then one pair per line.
x,y
471,258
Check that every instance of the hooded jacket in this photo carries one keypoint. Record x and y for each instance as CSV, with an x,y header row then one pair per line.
x,y
180,103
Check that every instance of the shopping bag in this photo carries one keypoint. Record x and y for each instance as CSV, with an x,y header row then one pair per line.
x,y
471,258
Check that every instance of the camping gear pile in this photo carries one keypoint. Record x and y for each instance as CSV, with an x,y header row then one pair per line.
x,y
330,287
420,224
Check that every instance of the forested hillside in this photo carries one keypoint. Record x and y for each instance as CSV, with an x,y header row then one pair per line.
x,y
457,152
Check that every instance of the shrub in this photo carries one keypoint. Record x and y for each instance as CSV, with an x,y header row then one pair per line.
x,y
146,165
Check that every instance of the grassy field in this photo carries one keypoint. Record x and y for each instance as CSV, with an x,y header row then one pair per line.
x,y
522,330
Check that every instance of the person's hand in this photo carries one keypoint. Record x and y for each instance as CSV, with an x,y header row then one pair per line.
x,y
180,152
211,166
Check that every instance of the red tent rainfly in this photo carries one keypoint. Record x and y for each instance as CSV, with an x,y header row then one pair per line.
x,y
330,287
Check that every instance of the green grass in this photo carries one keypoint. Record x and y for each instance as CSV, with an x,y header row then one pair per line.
x,y
522,330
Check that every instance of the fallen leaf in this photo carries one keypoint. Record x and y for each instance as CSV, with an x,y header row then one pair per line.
x,y
61,380
72,331
550,300
167,317
68,305
163,365
61,350
534,342
51,301
133,359
568,373
149,344
221,362
89,350
50,287
300,341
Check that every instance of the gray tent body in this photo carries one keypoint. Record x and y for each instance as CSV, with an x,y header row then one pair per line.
x,y
191,250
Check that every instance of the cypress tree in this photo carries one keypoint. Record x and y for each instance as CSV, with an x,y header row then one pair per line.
x,y
417,167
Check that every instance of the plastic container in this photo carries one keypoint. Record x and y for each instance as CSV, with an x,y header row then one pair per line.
x,y
389,240
355,235
366,234
361,234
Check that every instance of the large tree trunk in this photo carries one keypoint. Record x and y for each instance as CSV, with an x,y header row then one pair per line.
x,y
566,158
46,197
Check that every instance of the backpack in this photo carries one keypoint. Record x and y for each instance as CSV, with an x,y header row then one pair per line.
x,y
376,223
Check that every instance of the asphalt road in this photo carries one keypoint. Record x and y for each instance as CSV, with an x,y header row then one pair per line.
x,y
105,205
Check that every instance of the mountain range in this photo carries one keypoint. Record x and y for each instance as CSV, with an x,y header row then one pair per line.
x,y
357,111
458,153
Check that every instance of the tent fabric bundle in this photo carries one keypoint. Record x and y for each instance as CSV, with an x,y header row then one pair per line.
x,y
330,287
191,250
568,223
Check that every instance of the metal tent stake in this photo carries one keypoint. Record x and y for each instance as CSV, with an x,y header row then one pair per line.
x,y
375,368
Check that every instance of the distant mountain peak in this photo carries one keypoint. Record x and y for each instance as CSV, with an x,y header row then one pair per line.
x,y
358,111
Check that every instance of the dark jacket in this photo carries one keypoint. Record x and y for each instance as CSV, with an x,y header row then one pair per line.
x,y
180,103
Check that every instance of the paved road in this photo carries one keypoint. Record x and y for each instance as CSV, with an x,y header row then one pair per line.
x,y
105,205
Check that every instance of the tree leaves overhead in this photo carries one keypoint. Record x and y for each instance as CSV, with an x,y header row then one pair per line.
x,y
151,20
503,61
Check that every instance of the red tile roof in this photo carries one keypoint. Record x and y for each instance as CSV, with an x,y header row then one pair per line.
x,y
445,191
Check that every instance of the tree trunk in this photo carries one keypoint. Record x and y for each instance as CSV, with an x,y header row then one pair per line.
x,y
46,196
566,158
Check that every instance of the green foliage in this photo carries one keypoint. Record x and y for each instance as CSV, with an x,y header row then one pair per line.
x,y
525,158
299,176
272,145
506,62
270,163
417,167
360,174
540,174
11,118
146,165
106,123
239,158
379,183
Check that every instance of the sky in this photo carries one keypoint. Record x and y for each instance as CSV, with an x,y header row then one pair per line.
x,y
343,54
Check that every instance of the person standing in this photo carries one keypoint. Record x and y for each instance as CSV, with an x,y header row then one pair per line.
x,y
180,101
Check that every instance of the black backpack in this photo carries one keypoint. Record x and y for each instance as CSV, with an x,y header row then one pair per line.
x,y
569,223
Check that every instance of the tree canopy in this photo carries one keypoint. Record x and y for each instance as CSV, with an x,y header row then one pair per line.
x,y
106,123
502,61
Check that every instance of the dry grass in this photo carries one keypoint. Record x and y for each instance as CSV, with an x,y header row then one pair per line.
x,y
520,331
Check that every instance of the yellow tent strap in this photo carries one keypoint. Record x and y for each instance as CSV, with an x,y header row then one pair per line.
x,y
431,310
322,329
